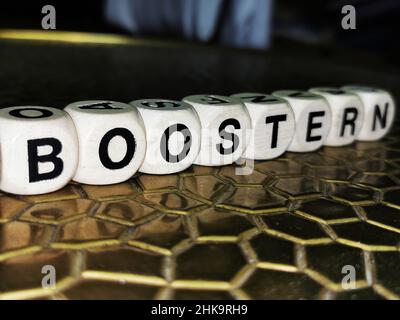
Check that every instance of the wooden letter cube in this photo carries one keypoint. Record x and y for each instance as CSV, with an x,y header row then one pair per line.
x,y
172,133
112,141
38,148
379,111
313,119
347,115
272,125
225,128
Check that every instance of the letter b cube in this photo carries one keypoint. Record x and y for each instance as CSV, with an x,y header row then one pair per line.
x,y
38,149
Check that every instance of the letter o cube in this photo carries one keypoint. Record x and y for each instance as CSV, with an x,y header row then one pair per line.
x,y
313,119
38,149
225,128
272,125
172,133
379,111
112,141
347,115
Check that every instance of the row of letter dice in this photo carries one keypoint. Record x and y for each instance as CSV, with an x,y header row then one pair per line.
x,y
106,142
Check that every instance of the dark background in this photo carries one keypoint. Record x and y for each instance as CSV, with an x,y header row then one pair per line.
x,y
308,49
308,21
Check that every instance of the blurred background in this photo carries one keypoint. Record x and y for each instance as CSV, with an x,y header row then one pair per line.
x,y
176,48
249,24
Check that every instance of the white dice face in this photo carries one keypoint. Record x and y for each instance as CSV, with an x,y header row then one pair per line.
x,y
347,115
313,119
272,125
172,133
112,141
38,149
379,112
225,128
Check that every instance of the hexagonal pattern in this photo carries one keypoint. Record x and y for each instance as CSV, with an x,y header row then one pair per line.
x,y
290,230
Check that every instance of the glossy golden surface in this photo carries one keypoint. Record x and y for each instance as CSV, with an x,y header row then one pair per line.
x,y
283,232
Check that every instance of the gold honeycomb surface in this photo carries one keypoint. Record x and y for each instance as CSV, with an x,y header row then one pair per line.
x,y
284,232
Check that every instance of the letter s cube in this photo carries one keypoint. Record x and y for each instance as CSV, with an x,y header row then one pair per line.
x,y
225,128
38,149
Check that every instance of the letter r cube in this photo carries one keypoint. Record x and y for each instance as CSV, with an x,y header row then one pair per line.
x,y
347,115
